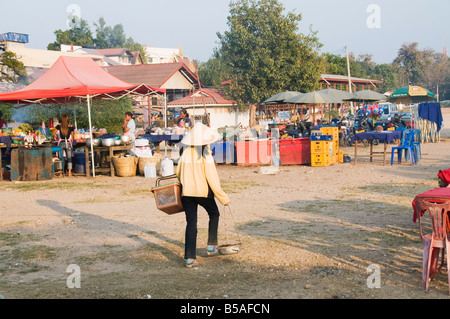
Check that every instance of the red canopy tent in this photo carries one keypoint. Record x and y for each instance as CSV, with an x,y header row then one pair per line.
x,y
74,79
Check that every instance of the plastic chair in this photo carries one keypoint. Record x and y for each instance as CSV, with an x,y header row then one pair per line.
x,y
435,243
57,149
406,146
405,132
416,144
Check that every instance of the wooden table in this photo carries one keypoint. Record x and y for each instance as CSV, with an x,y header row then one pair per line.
x,y
385,137
98,149
170,139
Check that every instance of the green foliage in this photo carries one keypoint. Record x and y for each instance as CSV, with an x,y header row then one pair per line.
x,y
108,114
211,72
363,67
106,37
11,69
77,35
263,53
7,111
426,68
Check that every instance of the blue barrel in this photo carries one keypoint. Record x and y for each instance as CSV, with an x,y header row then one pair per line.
x,y
80,163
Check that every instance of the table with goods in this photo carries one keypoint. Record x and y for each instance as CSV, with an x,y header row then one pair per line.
x,y
30,153
26,153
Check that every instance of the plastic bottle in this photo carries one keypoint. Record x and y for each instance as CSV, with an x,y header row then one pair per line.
x,y
149,170
166,167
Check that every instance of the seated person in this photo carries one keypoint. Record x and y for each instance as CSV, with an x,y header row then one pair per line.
x,y
184,120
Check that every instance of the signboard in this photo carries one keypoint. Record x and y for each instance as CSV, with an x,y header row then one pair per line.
x,y
284,115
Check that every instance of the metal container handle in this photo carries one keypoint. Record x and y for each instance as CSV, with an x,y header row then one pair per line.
x,y
164,178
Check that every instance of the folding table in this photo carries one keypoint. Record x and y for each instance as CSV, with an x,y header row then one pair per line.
x,y
385,137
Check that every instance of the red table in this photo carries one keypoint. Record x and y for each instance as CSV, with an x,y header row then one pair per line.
x,y
441,194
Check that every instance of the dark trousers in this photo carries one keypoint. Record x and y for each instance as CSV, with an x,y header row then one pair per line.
x,y
67,147
190,205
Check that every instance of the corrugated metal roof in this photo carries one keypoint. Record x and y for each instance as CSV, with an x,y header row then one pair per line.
x,y
154,75
205,96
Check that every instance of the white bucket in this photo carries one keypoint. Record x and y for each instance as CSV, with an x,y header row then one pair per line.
x,y
167,167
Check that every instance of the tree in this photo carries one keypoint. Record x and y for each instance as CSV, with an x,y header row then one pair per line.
x,y
11,69
109,37
77,35
263,54
211,71
106,37
436,73
106,114
363,67
410,62
335,64
388,74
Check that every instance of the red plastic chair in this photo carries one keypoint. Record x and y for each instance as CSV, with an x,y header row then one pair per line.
x,y
435,243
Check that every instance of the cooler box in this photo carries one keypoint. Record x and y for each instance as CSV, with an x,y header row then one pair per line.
x,y
258,152
295,151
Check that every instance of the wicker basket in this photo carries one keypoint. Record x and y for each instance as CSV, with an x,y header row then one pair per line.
x,y
97,134
168,196
155,161
125,166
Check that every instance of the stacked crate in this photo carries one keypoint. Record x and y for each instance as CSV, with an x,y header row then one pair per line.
x,y
333,131
321,150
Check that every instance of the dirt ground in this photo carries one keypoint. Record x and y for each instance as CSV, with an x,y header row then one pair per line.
x,y
307,232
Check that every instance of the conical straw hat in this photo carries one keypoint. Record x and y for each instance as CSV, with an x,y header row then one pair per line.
x,y
201,134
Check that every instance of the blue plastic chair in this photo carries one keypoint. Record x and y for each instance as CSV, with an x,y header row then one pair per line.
x,y
405,132
57,149
407,146
416,143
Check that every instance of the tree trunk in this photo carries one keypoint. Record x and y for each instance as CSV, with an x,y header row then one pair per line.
x,y
252,115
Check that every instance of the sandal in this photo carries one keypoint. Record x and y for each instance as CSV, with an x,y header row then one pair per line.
x,y
190,262
211,250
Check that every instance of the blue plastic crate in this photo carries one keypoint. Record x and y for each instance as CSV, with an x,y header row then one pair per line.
x,y
321,138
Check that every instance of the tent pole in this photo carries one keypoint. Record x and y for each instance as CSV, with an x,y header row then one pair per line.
x,y
165,110
165,122
91,136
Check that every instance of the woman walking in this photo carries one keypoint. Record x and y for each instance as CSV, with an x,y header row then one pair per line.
x,y
200,182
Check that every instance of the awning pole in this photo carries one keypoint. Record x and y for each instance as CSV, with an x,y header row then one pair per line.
x,y
91,136
165,122
165,110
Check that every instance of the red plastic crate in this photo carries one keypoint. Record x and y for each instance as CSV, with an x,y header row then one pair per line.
x,y
295,151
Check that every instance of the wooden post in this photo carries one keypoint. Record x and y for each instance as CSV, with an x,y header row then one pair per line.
x,y
149,109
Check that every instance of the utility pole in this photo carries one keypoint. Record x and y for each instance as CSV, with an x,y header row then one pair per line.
x,y
349,77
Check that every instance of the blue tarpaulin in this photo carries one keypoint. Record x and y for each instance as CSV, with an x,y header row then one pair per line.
x,y
432,112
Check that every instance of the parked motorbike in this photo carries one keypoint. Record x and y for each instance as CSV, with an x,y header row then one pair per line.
x,y
302,129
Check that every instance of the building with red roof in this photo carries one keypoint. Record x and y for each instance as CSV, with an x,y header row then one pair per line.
x,y
222,111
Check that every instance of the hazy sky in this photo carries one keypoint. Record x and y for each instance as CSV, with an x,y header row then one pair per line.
x,y
377,27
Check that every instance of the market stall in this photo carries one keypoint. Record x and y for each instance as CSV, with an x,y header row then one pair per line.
x,y
73,79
